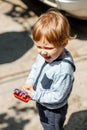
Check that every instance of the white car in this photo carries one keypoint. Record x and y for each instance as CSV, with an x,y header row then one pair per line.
x,y
75,8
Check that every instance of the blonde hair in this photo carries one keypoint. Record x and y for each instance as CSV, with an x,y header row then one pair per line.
x,y
53,27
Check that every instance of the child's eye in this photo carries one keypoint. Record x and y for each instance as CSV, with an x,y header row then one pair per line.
x,y
39,47
49,48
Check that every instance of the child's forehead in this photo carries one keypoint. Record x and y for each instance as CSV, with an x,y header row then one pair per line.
x,y
43,41
44,44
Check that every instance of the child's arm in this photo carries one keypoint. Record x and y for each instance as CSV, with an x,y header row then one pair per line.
x,y
34,71
57,94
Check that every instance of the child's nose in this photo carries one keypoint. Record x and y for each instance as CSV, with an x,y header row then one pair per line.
x,y
43,52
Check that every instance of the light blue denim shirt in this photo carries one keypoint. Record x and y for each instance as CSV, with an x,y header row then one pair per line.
x,y
53,81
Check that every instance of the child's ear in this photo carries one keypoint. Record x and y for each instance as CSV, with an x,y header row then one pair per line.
x,y
65,43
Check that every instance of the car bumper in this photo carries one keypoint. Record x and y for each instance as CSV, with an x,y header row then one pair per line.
x,y
76,8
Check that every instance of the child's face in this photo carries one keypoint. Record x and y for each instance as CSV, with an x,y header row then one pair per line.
x,y
49,51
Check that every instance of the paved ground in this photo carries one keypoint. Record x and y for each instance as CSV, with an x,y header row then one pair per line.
x,y
17,54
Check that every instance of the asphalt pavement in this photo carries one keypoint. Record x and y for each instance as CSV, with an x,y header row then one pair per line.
x,y
18,53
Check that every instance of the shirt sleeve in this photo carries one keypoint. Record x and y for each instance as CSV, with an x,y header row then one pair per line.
x,y
60,91
33,73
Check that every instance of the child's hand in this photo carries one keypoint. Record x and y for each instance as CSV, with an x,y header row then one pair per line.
x,y
28,88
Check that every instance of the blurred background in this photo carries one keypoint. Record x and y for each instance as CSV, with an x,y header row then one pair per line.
x,y
18,53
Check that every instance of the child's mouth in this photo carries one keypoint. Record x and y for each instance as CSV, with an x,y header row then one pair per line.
x,y
47,57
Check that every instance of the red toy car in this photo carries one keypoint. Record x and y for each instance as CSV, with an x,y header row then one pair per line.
x,y
22,95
